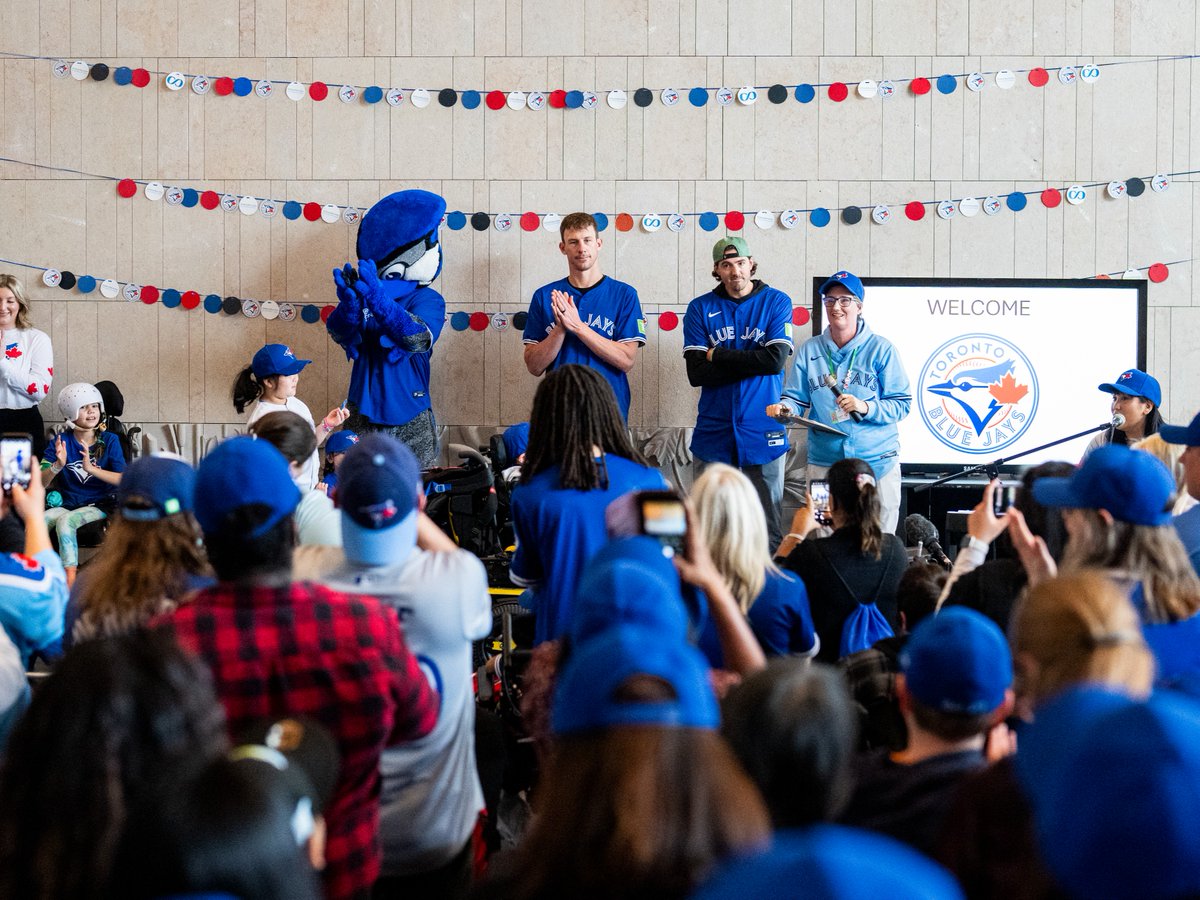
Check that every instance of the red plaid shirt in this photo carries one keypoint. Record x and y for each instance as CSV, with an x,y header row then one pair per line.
x,y
304,649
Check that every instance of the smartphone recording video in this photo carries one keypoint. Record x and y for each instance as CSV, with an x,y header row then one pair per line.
x,y
818,501
15,451
664,518
1002,498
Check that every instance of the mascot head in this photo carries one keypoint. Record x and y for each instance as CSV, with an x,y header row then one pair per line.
x,y
400,233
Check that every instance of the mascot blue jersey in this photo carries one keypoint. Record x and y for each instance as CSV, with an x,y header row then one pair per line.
x,y
611,308
732,425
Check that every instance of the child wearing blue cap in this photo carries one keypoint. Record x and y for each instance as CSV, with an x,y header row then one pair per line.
x,y
1136,397
270,382
335,451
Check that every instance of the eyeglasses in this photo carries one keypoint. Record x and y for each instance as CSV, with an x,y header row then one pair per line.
x,y
843,302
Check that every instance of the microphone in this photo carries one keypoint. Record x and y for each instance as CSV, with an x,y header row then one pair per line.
x,y
919,530
1117,421
831,380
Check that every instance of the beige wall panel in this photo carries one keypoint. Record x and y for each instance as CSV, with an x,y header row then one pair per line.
x,y
785,140
1012,133
442,27
1162,27
761,28
665,25
490,27
457,378
1158,233
271,27
174,369
674,137
210,28
229,342
1098,24
123,330
1049,20
1182,336
1125,119
552,27
947,114
314,28
147,27
841,126
905,27
343,133
1001,27
953,27
78,358
613,27
612,125
841,28
712,27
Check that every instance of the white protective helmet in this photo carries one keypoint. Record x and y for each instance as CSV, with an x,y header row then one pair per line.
x,y
75,397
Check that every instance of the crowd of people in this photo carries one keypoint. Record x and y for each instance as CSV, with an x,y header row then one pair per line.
x,y
264,683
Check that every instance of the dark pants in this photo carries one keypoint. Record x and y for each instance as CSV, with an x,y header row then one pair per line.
x,y
25,421
451,881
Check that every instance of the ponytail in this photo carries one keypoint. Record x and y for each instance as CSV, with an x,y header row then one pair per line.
x,y
246,389
852,487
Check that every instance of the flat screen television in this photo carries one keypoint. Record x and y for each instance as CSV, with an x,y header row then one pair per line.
x,y
999,366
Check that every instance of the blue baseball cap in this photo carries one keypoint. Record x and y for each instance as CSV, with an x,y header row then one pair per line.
x,y
340,442
1134,486
957,662
849,281
1189,435
378,485
516,440
831,862
1136,383
154,487
585,693
243,471
276,359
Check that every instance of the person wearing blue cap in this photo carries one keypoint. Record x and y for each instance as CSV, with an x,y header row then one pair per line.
x,y
335,451
1136,398
851,378
1187,524
736,341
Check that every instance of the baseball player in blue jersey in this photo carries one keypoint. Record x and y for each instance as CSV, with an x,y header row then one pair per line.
x,y
737,340
586,318
853,379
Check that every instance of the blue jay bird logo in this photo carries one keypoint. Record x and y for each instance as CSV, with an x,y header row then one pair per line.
x,y
978,393
380,513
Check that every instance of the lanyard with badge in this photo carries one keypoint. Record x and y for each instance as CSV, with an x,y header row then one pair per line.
x,y
839,414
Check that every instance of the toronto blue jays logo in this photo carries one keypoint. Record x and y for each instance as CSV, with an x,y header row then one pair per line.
x,y
978,393
380,513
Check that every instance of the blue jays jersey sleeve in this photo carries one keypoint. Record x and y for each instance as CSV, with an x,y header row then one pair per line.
x,y
541,318
630,324
430,307
694,335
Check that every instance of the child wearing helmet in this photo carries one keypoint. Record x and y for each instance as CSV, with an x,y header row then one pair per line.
x,y
90,462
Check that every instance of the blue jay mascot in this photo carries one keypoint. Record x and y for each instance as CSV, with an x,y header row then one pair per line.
x,y
388,318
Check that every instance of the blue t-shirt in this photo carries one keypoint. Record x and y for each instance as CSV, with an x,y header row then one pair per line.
x,y
732,425
33,598
559,530
78,488
1188,526
611,308
780,617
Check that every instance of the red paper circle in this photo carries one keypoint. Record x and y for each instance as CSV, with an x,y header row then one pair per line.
x,y
312,210
326,312
1051,198
734,220
1038,77
624,222
190,299
919,86
149,294
1158,273
223,86
799,315
496,100
668,321
558,99
318,90
530,221
1103,278
915,210
126,187
838,92
210,200
479,321
140,77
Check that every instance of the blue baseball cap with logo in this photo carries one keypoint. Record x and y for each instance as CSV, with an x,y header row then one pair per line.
x,y
244,471
340,442
849,281
1136,383
276,359
1188,435
378,486
957,662
1131,485
154,487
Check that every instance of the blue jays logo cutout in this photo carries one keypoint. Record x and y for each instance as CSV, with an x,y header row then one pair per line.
x,y
380,513
978,393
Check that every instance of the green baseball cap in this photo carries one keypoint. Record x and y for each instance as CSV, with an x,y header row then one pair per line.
x,y
730,247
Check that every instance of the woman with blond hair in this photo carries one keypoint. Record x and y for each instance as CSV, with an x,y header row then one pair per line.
x,y
26,366
731,521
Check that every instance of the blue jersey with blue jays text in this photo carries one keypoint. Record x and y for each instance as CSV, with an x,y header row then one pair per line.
x,y
559,530
610,308
77,487
869,367
732,425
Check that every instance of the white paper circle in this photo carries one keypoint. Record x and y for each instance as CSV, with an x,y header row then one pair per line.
x,y
670,96
1067,74
789,218
347,93
175,81
264,89
590,100
651,223
1117,189
1131,274
201,84
132,292
173,196
886,89
968,206
503,222
764,219
881,214
536,101
516,100
676,222
617,99
1159,183
109,288
976,82
294,91
248,206
51,277
946,209
269,309
154,190
991,205
287,312
500,321
229,202
268,208
419,98
351,215
868,89
1089,74
723,96
251,309
1075,194
331,212
1005,79
61,68
747,96
79,70
394,96
551,221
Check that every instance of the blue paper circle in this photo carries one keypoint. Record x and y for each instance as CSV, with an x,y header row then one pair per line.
x,y
806,93
819,217
171,298
470,99
709,221
122,74
191,197
310,313
698,96
86,284
574,99
242,86
456,221
460,321
373,94
601,221
1016,201
292,210
947,84
212,304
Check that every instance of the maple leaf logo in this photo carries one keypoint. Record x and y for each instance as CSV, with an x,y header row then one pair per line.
x,y
1006,390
